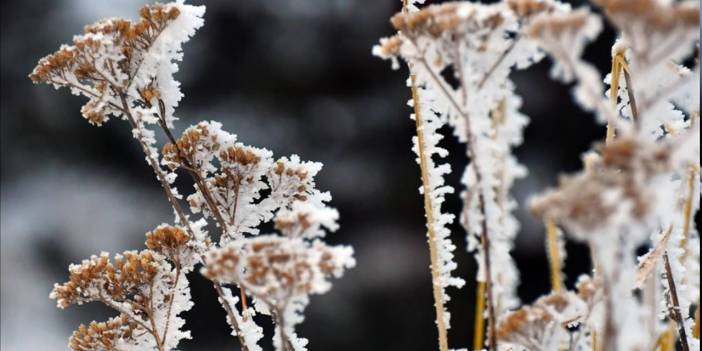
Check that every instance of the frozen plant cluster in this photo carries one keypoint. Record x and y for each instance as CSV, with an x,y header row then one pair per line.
x,y
126,70
639,188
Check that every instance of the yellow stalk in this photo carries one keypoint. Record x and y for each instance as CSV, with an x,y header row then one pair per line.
x,y
479,326
554,256
595,347
696,328
666,341
687,208
433,252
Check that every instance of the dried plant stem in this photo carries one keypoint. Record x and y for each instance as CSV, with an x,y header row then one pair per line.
x,y
481,200
429,213
666,341
687,207
280,324
554,256
479,324
595,346
179,212
632,97
674,304
172,297
492,336
150,314
696,328
499,61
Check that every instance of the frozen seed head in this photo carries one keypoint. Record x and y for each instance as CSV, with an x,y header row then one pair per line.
x,y
121,33
658,15
103,62
168,240
99,278
618,179
527,8
239,154
446,19
102,335
277,269
194,146
558,24
535,326
389,47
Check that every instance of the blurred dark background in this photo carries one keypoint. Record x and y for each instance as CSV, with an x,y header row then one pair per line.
x,y
295,76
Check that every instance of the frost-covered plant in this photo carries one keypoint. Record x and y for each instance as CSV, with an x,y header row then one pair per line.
x,y
641,183
126,70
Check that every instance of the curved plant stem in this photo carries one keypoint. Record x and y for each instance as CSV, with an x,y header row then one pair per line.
x,y
429,212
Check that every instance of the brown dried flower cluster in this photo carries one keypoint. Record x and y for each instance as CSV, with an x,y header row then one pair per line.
x,y
446,18
277,268
241,155
99,279
196,146
103,335
625,166
555,25
105,59
128,36
168,240
533,326
527,8
653,13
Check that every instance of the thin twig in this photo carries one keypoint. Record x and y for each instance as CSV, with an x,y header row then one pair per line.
x,y
632,99
674,308
498,62
171,299
150,314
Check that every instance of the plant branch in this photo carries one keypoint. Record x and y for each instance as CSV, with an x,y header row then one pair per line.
x,y
179,212
674,304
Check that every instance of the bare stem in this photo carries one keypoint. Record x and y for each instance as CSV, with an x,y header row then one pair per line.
x,y
428,208
171,299
479,324
674,308
498,62
150,314
632,98
554,256
687,208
